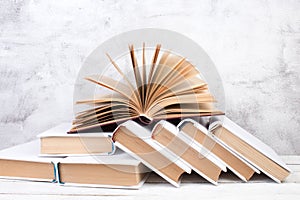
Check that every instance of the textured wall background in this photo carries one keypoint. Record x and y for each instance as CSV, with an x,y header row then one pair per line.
x,y
254,44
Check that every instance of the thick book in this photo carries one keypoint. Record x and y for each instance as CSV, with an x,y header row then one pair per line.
x,y
22,162
56,141
200,134
196,156
119,170
136,141
250,148
167,87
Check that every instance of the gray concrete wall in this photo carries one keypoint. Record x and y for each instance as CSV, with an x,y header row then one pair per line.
x,y
254,44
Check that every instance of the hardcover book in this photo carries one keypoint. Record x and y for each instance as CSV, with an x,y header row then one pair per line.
x,y
136,141
111,171
22,162
196,156
250,148
199,134
56,141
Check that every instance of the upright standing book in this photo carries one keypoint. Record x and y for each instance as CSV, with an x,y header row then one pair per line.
x,y
250,148
136,140
22,162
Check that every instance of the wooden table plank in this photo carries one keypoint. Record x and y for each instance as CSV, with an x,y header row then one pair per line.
x,y
230,187
152,191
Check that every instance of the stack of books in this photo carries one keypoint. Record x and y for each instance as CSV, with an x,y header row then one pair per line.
x,y
124,158
170,90
69,159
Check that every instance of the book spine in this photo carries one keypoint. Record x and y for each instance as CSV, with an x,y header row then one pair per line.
x,y
58,174
113,147
55,172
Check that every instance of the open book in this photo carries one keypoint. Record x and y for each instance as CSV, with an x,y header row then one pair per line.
x,y
171,87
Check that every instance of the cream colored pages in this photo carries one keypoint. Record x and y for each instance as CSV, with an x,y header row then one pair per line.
x,y
61,130
251,140
189,141
145,134
205,131
133,187
26,152
119,158
199,148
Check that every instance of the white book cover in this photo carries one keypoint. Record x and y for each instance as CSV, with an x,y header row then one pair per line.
x,y
118,158
28,152
146,134
196,146
206,132
62,129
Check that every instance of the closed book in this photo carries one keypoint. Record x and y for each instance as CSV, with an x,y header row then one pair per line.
x,y
196,156
111,171
56,141
250,148
233,161
22,162
136,140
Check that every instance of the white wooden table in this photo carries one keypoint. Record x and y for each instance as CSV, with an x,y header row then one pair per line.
x,y
192,187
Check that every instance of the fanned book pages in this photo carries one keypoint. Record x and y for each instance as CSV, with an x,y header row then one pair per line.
x,y
170,87
56,142
250,148
22,162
